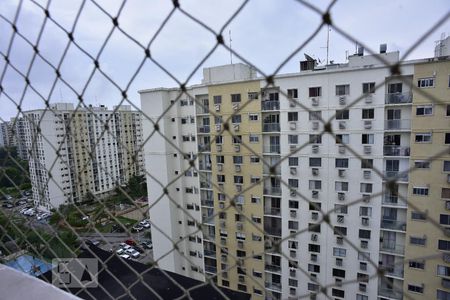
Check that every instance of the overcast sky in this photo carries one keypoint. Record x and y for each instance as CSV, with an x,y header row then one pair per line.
x,y
265,32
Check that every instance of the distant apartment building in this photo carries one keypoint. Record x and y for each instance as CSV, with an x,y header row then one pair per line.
x,y
3,134
74,153
262,154
12,134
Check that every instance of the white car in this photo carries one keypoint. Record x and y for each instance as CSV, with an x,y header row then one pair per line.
x,y
144,224
126,256
133,253
23,210
119,251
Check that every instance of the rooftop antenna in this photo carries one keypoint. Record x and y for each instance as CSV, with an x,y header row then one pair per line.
x,y
231,53
328,40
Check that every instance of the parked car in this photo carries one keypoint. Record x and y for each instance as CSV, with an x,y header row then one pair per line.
x,y
144,224
133,253
147,245
130,242
126,256
137,228
7,205
119,251
92,242
139,249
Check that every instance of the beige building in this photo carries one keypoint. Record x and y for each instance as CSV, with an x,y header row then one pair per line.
x,y
427,259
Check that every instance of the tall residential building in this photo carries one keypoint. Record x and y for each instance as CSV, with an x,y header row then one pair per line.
x,y
3,134
18,138
247,141
71,154
427,251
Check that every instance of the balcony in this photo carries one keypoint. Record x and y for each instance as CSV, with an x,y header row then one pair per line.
x,y
397,175
272,149
273,211
204,129
390,293
392,248
208,219
204,148
270,105
272,268
272,190
273,286
207,202
205,185
274,231
210,253
398,98
403,124
392,150
271,127
396,271
202,166
393,201
393,224
210,269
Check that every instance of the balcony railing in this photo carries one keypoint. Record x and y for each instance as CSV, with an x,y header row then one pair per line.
x,y
390,293
397,124
272,149
204,129
271,127
205,185
270,105
209,253
393,200
209,203
398,175
272,268
203,109
211,269
392,248
272,190
274,211
275,231
393,270
204,147
391,150
393,224
204,167
398,98
273,286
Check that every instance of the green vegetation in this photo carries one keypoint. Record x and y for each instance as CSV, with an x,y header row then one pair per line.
x,y
12,173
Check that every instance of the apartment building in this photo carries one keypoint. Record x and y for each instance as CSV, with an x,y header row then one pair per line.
x,y
12,134
71,154
264,155
427,267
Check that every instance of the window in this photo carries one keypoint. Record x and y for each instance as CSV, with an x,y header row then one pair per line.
x,y
314,248
217,99
315,139
315,184
292,93
252,95
239,179
293,183
293,204
420,191
292,139
338,230
253,138
235,98
448,110
425,82
366,163
341,163
444,219
442,295
292,116
423,137
342,138
218,120
420,241
366,188
417,264
237,160
253,117
341,186
219,139
361,297
313,268
343,89
365,211
446,166
273,96
254,159
394,88
315,91
340,208
364,234
236,119
424,110
363,256
339,273
445,193
341,252
220,159
447,138
443,270
293,161
421,164
342,114
368,87
368,113
237,139
315,161
417,215
221,178
367,139
415,288
315,115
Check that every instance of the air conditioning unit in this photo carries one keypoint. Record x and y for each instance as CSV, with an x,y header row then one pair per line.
x,y
315,148
341,196
237,168
339,263
217,107
313,257
237,148
224,258
291,104
314,216
364,245
314,101
315,171
315,194
447,205
293,254
239,226
368,99
339,240
446,257
362,288
342,124
366,198
315,125
236,127
342,100
367,149
340,219
314,237
448,178
240,244
293,147
365,221
293,125
293,171
293,192
223,242
220,167
367,174
235,106
293,213
241,279
341,172
221,186
221,205
368,124
239,187
341,149
218,127
223,224
219,148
